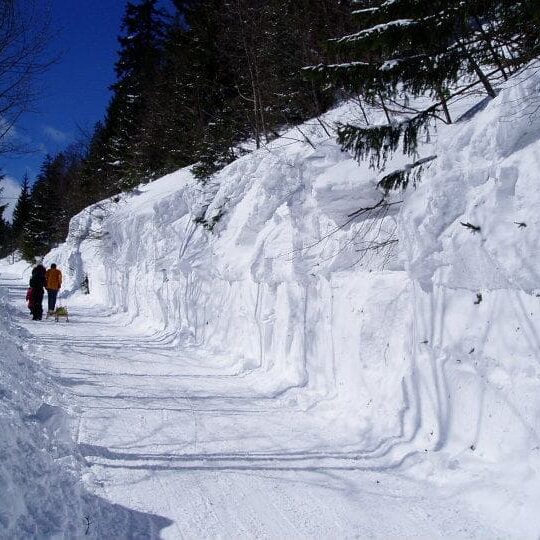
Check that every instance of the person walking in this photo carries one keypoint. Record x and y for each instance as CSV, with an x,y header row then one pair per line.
x,y
53,279
37,283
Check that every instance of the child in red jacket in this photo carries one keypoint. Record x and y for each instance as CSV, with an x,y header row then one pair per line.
x,y
29,298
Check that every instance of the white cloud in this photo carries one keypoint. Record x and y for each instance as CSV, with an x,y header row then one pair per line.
x,y
55,134
10,194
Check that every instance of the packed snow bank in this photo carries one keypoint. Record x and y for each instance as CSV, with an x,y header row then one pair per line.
x,y
477,291
477,300
37,494
41,495
393,350
286,288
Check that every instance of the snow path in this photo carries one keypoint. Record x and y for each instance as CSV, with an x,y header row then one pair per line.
x,y
172,433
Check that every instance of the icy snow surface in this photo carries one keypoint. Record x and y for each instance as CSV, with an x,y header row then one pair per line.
x,y
273,379
41,495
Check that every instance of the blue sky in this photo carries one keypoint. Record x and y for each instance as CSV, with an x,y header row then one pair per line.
x,y
74,92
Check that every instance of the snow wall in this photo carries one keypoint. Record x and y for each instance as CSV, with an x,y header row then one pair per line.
x,y
429,343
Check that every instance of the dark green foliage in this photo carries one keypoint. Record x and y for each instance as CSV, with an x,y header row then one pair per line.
x,y
53,201
401,178
378,142
21,213
241,62
5,237
216,149
115,151
5,229
39,230
439,49
194,84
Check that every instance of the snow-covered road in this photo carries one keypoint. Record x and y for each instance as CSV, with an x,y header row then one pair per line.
x,y
176,434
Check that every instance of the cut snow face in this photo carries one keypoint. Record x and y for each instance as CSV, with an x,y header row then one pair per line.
x,y
267,322
257,301
473,245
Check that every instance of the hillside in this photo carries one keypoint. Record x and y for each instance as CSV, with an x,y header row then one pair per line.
x,y
282,318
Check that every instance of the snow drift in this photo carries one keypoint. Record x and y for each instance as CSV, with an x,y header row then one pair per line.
x,y
424,350
32,483
41,492
282,292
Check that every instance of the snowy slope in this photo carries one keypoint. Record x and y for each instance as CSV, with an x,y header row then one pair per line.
x,y
41,494
485,347
477,294
422,355
31,483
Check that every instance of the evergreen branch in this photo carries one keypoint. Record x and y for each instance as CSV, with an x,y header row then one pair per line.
x,y
382,140
401,177
377,29
335,67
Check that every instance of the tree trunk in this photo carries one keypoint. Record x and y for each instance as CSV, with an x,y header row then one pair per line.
x,y
444,105
481,75
363,110
489,44
385,109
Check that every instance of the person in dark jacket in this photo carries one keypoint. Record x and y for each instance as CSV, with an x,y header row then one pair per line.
x,y
37,284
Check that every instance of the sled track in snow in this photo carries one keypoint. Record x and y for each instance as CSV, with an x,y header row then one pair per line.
x,y
307,461
253,463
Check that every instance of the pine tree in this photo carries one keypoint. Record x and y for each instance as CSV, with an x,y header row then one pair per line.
x,y
118,155
140,57
215,114
47,224
22,212
173,121
6,244
72,197
243,68
37,231
514,28
94,181
55,197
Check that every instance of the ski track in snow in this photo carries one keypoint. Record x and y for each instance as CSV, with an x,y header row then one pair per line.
x,y
148,438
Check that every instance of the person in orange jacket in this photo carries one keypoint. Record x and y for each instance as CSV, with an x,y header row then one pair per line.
x,y
53,279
